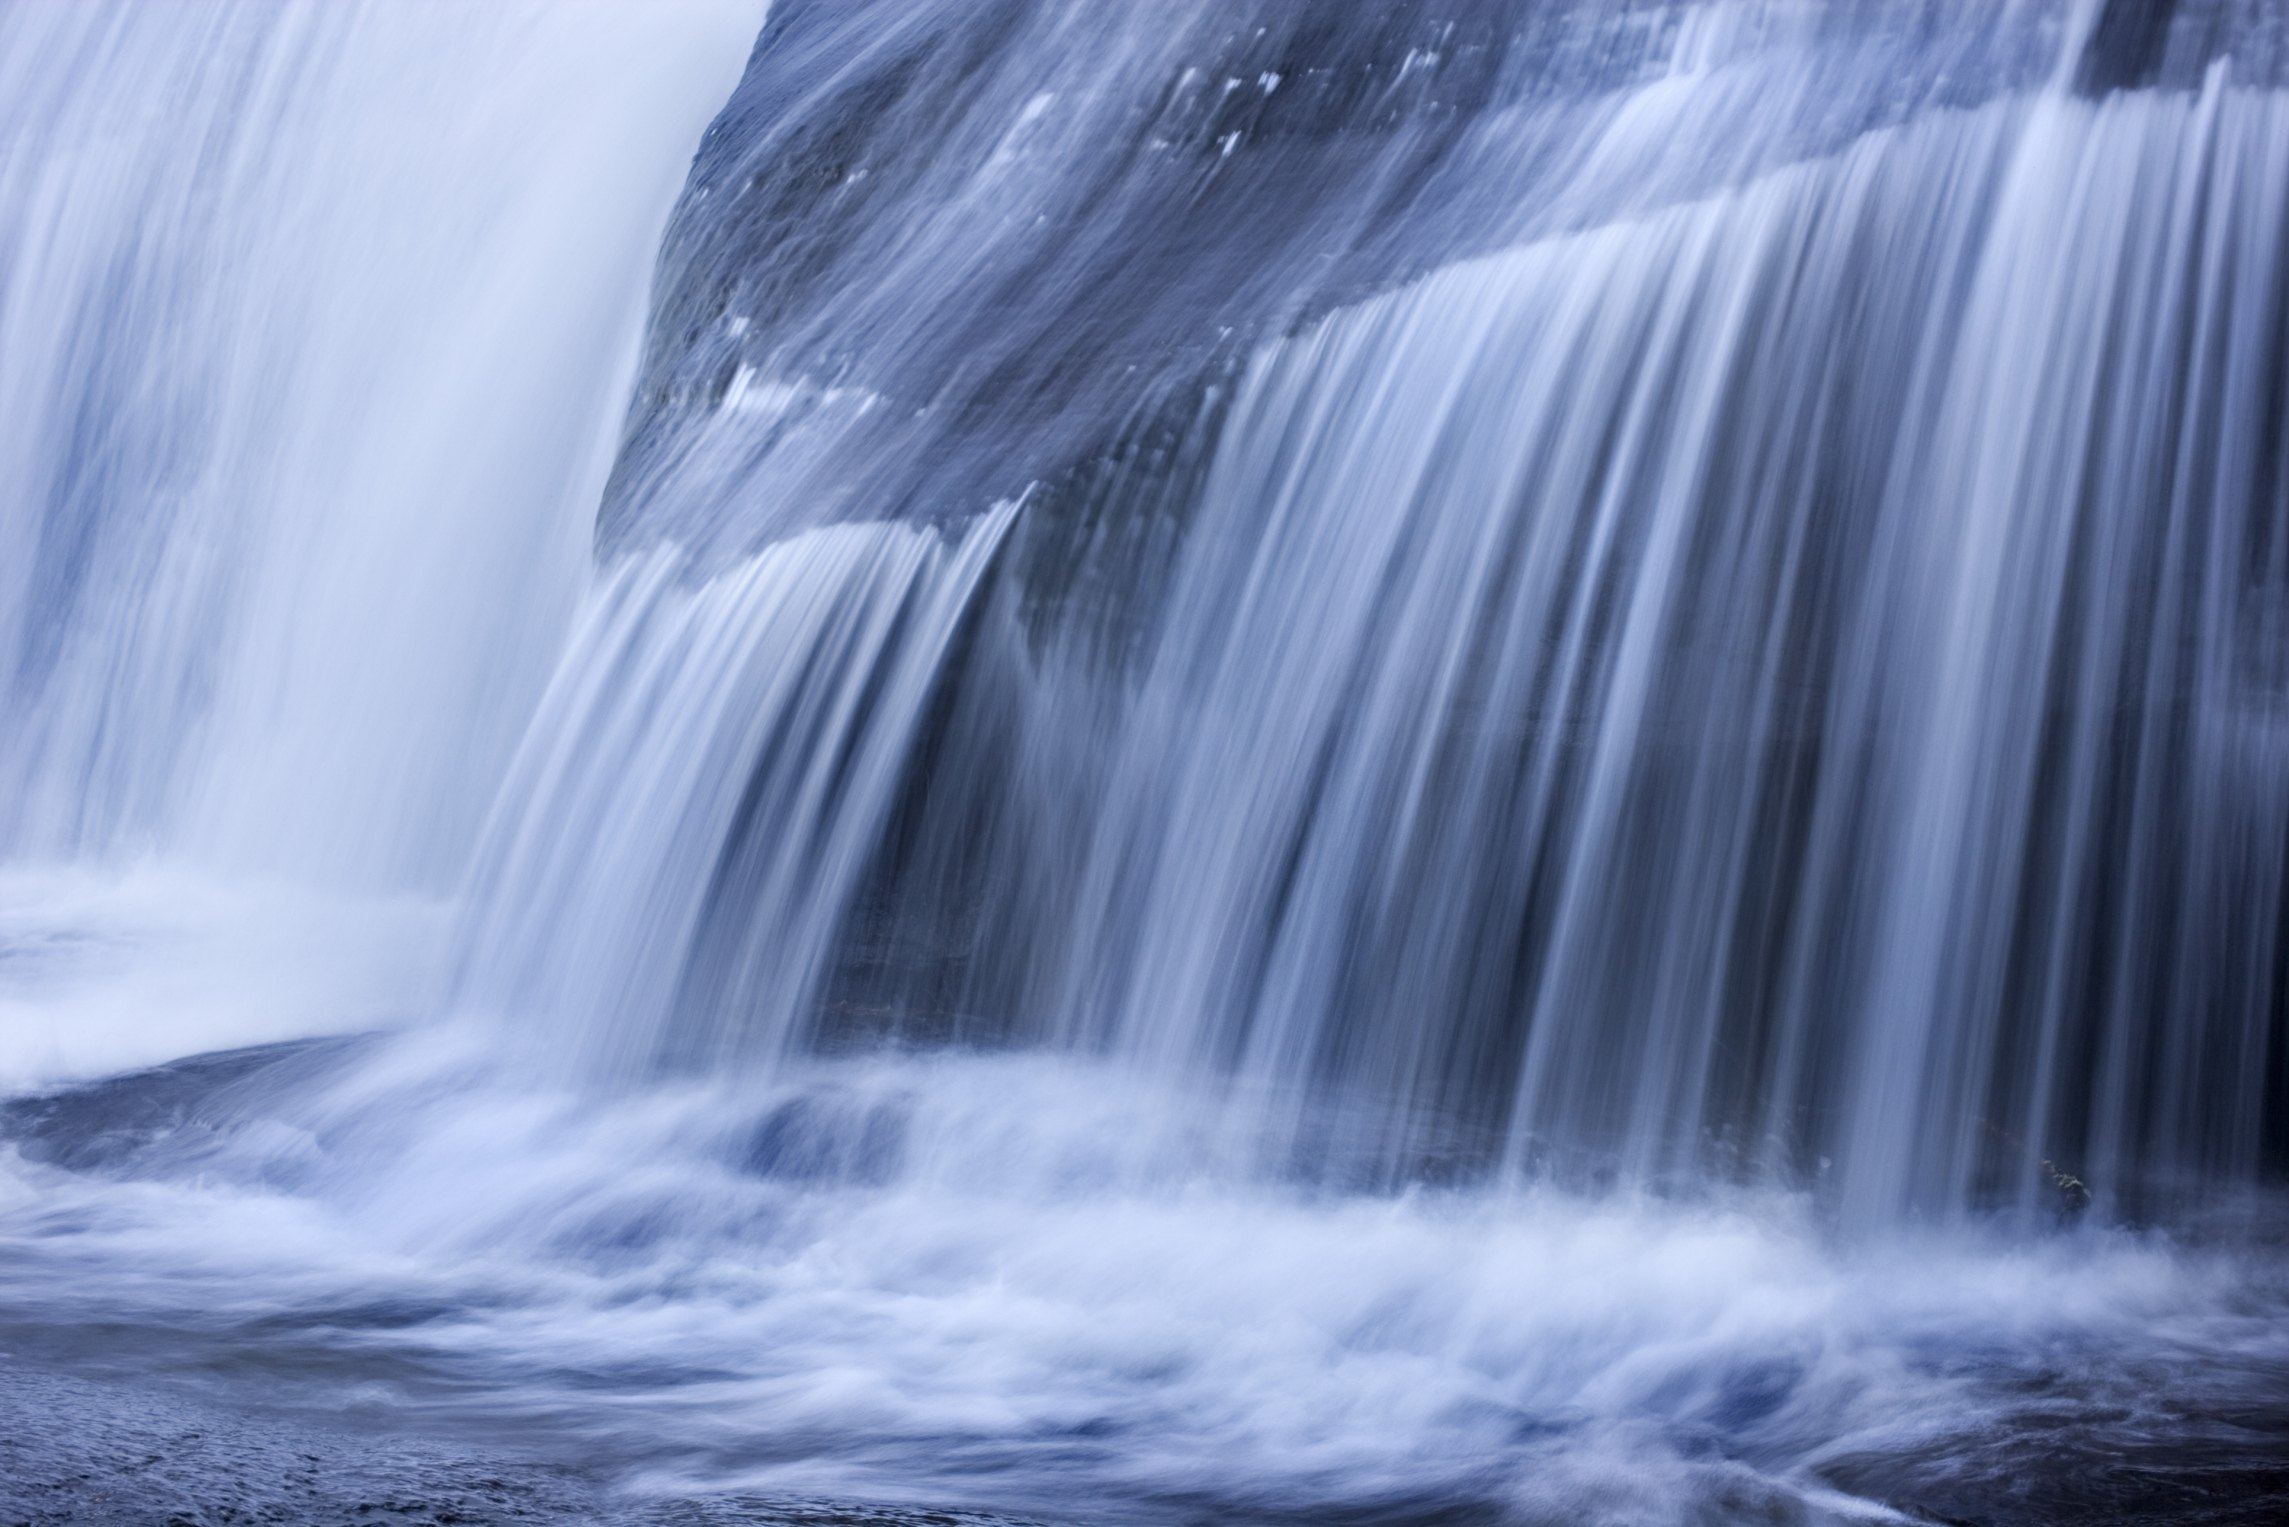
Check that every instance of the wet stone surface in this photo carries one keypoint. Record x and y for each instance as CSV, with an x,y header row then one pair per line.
x,y
75,1452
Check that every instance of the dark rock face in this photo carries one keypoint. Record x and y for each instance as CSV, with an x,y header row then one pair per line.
x,y
76,1452
960,248
2127,46
1020,222
1023,225
1017,230
2109,1449
2142,44
172,1111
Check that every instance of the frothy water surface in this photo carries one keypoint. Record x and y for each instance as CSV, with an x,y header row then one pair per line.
x,y
1022,1283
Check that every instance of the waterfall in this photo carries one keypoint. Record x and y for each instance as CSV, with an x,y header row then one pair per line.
x,y
318,321
1767,677
1695,684
773,706
1195,760
283,582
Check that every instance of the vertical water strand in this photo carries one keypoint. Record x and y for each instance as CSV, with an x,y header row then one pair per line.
x,y
316,321
283,585
1452,540
2203,805
1683,662
775,702
2047,509
1992,491
121,413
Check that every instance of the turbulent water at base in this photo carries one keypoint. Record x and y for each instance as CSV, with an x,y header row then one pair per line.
x,y
1226,760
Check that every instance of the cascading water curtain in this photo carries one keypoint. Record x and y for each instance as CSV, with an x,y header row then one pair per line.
x,y
1711,611
1181,761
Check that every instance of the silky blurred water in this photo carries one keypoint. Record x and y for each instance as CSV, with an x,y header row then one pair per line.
x,y
1028,1283
1196,762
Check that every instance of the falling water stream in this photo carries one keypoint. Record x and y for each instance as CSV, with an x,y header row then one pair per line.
x,y
1213,761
